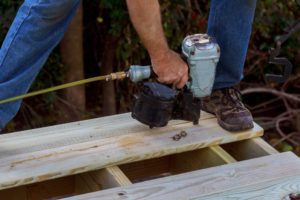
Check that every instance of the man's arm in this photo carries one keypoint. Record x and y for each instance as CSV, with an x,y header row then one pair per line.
x,y
146,18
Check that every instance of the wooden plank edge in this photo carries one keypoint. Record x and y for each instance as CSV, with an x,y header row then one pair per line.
x,y
95,122
248,149
276,190
277,168
109,177
264,145
223,154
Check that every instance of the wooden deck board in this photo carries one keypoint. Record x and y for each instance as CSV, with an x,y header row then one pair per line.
x,y
52,152
269,177
74,133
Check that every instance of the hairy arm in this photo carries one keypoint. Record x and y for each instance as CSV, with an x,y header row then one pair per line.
x,y
146,18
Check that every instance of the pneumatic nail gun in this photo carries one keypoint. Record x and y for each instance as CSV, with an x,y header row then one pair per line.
x,y
155,103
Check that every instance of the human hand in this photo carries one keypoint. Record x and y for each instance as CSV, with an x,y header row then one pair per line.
x,y
170,69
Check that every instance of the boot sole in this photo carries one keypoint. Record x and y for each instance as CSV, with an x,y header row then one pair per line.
x,y
234,128
230,127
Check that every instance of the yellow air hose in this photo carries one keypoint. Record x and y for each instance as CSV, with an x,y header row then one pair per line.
x,y
109,77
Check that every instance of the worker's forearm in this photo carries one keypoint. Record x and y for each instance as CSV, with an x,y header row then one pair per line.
x,y
167,65
146,18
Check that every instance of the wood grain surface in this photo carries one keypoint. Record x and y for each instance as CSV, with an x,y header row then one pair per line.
x,y
270,177
47,153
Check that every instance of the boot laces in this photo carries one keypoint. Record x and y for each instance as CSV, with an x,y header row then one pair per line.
x,y
233,97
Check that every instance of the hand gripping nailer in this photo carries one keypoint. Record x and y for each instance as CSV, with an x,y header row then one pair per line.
x,y
155,103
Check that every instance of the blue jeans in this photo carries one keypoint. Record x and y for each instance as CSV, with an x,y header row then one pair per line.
x,y
40,25
230,22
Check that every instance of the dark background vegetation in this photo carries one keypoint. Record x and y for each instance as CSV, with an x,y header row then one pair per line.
x,y
101,40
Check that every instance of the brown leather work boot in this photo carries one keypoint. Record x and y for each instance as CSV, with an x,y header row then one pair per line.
x,y
231,113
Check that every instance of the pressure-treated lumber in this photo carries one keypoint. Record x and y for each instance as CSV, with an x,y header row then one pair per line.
x,y
58,188
68,186
48,153
176,164
100,179
74,133
247,149
222,154
19,193
265,178
195,160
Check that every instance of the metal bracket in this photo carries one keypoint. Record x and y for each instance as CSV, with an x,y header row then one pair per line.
x,y
274,52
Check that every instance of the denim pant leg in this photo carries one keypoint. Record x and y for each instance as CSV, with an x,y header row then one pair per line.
x,y
37,28
230,22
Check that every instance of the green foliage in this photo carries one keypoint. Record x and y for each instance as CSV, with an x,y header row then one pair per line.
x,y
51,75
181,18
8,10
273,18
117,16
